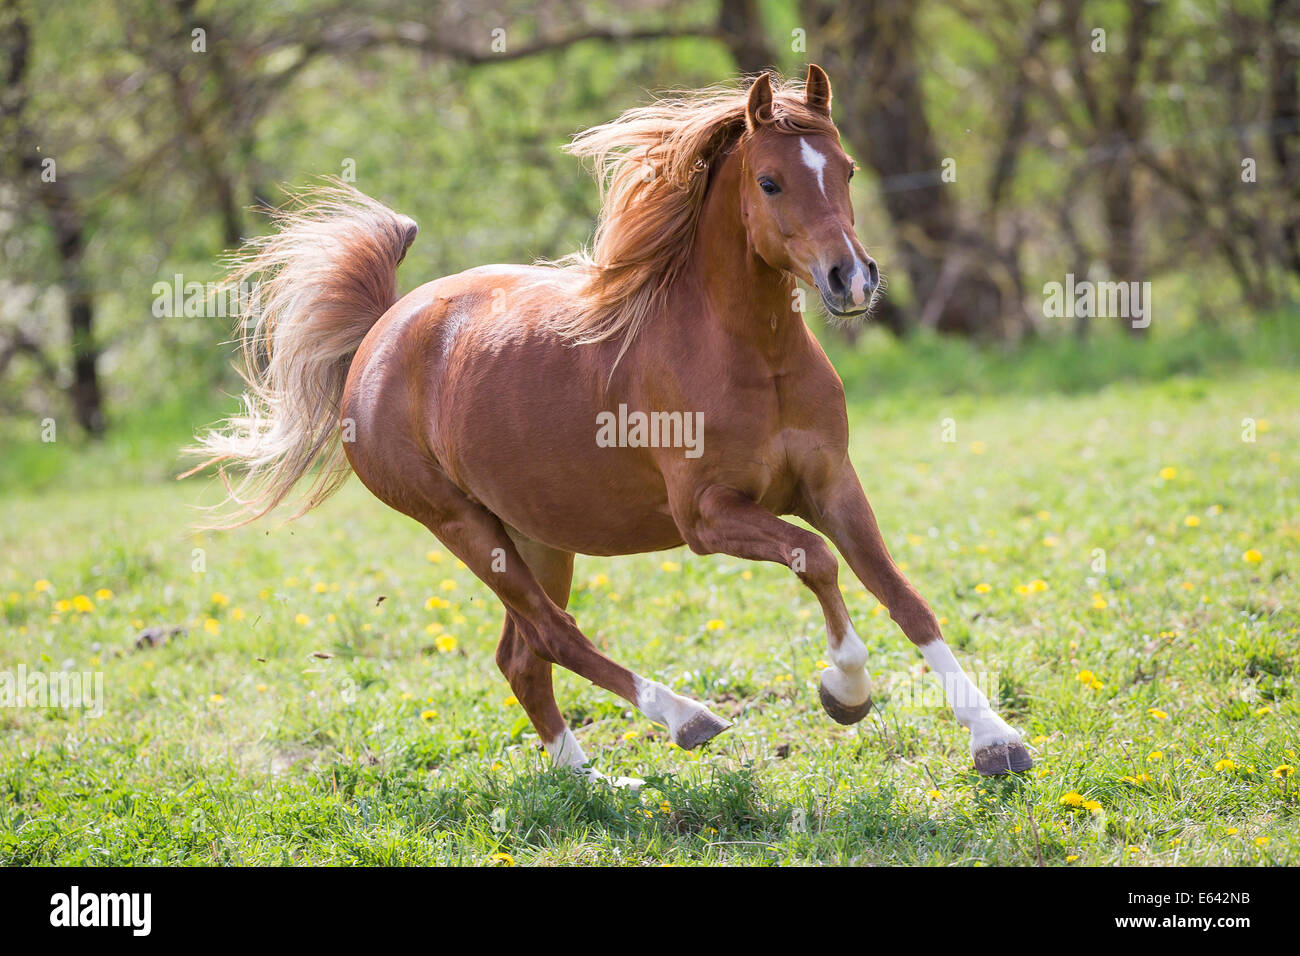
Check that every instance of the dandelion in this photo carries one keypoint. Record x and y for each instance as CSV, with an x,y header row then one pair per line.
x,y
1155,756
1251,556
238,614
1085,677
103,594
510,701
503,859
1071,857
1283,771
497,765
434,556
62,606
302,620
216,699
212,625
1224,766
1099,603
1157,713
1168,474
42,585
219,599
630,735
1133,850
428,714
320,587
447,584
1192,521
435,604
445,643
1231,831
1263,711
1040,738
1072,799
933,794
670,566
983,588
1261,841
1092,806
978,447
717,624
1051,541
82,604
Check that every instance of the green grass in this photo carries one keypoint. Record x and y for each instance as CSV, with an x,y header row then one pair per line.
x,y
236,744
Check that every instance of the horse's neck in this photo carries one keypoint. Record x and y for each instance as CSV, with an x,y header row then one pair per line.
x,y
751,301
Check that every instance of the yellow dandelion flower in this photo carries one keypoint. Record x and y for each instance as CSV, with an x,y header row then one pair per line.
x,y
1099,603
42,585
435,603
219,599
978,447
717,624
1261,841
216,699
1232,831
428,714
497,765
670,566
261,688
445,643
302,620
82,604
212,626
983,588
1071,857
1263,711
1251,556
1096,685
1133,850
320,587
1092,806
598,580
1168,474
1085,677
447,584
1192,521
1072,799
1040,738
1157,713
434,556
933,794
503,859
1283,771
1051,541
1155,756
238,614
630,735
63,606
1224,766
103,594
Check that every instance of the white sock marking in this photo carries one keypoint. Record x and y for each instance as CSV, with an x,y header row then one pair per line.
x,y
565,750
968,702
846,678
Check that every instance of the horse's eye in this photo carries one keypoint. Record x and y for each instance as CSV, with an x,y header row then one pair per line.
x,y
852,169
768,186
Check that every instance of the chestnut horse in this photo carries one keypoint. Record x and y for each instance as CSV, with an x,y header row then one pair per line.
x,y
527,413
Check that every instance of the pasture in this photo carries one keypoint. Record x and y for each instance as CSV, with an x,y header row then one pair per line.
x,y
1108,550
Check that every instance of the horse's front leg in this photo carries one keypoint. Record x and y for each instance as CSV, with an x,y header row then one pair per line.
x,y
839,509
722,520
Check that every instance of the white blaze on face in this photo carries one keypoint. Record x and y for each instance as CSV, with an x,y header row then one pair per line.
x,y
858,283
814,161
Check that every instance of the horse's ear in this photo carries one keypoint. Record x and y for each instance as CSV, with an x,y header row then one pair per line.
x,y
817,90
758,111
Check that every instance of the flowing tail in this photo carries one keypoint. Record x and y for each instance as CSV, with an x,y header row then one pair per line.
x,y
318,282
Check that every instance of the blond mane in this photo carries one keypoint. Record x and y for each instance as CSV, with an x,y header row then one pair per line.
x,y
652,164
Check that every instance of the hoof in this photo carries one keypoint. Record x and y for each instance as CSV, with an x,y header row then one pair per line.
x,y
701,728
996,760
842,713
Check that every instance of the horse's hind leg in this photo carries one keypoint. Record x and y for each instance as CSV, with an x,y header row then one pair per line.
x,y
478,538
530,675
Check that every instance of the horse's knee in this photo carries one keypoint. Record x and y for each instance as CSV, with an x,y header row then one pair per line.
x,y
814,562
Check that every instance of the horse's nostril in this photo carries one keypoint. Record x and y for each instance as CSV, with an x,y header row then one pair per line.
x,y
836,279
874,273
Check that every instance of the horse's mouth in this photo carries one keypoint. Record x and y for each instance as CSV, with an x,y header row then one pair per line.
x,y
853,314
